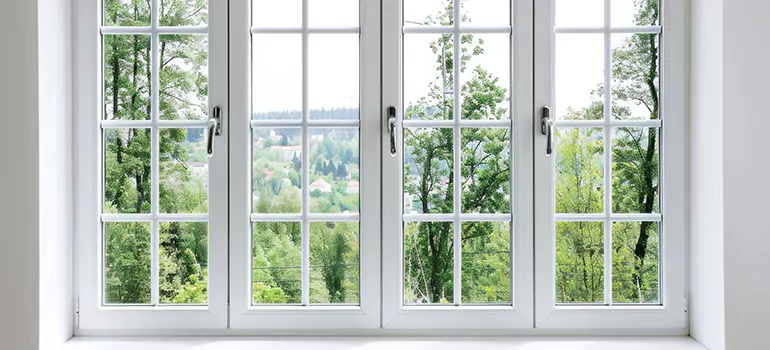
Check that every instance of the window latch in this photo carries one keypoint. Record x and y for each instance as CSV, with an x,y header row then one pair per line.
x,y
214,129
546,127
391,124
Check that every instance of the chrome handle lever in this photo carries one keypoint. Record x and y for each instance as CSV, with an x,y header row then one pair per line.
x,y
392,129
546,127
214,129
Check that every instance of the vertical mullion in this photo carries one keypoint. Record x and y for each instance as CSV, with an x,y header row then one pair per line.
x,y
155,148
305,162
608,131
457,159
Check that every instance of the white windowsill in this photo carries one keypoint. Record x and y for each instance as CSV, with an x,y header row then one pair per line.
x,y
373,343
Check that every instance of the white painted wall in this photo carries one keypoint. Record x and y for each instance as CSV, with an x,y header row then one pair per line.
x,y
707,306
19,238
56,183
746,173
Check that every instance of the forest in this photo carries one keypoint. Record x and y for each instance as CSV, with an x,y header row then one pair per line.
x,y
333,168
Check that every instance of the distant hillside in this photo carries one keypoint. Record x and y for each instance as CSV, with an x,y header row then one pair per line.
x,y
341,113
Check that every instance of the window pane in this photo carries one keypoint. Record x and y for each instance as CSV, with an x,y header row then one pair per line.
x,y
333,13
579,170
277,76
428,262
184,263
486,76
579,13
127,170
428,170
486,12
579,262
184,171
626,13
428,76
277,263
183,12
486,170
126,13
635,79
635,185
427,12
333,82
277,170
486,262
126,77
127,263
579,78
334,263
635,262
270,13
334,176
184,82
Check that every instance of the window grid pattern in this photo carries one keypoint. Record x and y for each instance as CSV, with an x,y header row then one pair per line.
x,y
609,125
306,124
458,124
155,124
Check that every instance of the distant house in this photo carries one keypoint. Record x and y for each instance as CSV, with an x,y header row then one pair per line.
x,y
289,152
268,174
353,186
320,185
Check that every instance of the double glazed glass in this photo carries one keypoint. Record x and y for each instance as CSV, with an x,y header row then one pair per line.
x,y
608,124
305,153
457,155
155,169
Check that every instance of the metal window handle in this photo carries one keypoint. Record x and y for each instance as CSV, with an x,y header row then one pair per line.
x,y
546,127
391,124
214,129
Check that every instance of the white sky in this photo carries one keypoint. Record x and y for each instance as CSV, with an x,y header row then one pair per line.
x,y
333,58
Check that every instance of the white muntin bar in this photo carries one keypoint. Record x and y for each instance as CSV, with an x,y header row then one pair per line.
x,y
607,152
457,155
612,217
321,123
651,123
305,161
155,149
310,217
612,30
454,29
492,123
117,123
155,30
324,30
158,217
451,217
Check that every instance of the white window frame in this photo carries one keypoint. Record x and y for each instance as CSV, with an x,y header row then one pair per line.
x,y
670,316
92,317
245,316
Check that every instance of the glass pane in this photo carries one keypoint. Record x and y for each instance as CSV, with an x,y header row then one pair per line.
x,y
486,76
428,170
184,171
277,76
635,265
486,12
277,170
579,170
127,263
579,262
126,13
333,13
635,79
626,13
428,76
427,13
428,262
184,263
486,170
334,263
127,171
277,263
184,12
127,77
333,83
579,13
334,173
579,78
486,260
184,77
272,14
635,186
